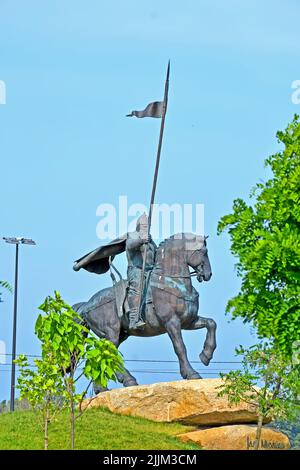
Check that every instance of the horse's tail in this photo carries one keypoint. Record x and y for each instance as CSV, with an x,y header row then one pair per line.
x,y
82,320
76,307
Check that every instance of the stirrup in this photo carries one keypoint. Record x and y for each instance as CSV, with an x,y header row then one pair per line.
x,y
139,323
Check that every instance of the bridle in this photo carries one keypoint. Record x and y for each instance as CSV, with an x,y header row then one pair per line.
x,y
198,271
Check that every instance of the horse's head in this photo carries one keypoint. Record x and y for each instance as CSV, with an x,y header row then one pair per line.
x,y
197,257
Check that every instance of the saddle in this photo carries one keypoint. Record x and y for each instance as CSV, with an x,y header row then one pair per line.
x,y
117,293
120,291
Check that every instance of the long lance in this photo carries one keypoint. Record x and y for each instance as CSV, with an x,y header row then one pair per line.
x,y
161,134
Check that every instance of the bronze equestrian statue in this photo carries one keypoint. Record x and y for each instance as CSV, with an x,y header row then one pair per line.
x,y
169,300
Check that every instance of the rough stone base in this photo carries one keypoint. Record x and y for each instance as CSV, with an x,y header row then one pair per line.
x,y
192,402
236,437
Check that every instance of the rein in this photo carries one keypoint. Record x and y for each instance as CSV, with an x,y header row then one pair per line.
x,y
179,276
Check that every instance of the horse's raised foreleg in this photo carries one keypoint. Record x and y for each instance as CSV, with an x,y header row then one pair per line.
x,y
173,328
210,340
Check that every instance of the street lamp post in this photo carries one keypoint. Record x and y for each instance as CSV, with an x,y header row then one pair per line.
x,y
15,241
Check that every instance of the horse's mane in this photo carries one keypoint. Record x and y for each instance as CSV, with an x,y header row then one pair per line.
x,y
182,236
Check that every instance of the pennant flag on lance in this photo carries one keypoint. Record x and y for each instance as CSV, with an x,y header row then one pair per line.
x,y
157,109
154,110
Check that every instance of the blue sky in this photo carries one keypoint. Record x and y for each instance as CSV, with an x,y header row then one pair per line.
x,y
72,71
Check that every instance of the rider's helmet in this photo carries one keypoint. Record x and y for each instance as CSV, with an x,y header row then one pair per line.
x,y
142,222
142,225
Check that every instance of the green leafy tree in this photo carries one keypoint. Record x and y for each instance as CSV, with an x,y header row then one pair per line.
x,y
75,349
43,387
265,239
267,381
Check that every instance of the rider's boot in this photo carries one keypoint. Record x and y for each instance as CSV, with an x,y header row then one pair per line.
x,y
134,320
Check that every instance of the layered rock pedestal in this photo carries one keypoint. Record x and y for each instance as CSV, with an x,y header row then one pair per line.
x,y
237,437
193,402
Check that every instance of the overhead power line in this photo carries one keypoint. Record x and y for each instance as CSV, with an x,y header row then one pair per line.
x,y
165,361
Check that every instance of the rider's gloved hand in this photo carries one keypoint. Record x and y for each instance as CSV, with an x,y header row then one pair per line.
x,y
146,239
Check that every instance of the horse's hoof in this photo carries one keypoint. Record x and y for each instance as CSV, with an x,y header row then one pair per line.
x,y
130,383
194,376
99,389
204,359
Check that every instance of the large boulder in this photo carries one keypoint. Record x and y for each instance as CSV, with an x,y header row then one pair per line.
x,y
188,401
237,437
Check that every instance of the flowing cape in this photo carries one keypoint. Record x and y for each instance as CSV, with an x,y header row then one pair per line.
x,y
97,261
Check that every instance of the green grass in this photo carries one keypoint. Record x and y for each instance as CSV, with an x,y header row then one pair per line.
x,y
96,429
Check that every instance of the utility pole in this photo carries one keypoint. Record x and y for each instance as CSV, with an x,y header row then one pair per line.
x,y
15,241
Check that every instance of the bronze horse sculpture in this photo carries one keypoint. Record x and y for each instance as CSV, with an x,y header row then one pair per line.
x,y
171,303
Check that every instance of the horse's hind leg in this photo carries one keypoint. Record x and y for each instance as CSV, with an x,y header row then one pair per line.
x,y
124,378
98,389
106,324
210,340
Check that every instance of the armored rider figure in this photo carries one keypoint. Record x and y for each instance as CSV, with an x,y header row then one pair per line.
x,y
136,244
